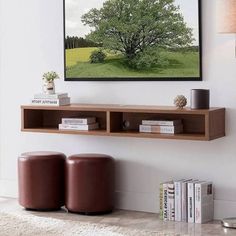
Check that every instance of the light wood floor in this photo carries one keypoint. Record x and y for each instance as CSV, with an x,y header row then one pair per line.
x,y
130,219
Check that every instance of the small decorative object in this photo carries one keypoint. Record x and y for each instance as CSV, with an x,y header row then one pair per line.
x,y
200,98
229,223
48,85
180,101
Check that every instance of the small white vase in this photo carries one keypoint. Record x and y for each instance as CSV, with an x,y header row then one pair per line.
x,y
49,87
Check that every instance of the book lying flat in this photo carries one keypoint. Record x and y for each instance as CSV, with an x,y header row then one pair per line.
x,y
75,121
162,122
51,102
79,127
161,129
50,96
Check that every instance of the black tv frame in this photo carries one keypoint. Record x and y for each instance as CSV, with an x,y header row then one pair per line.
x,y
146,79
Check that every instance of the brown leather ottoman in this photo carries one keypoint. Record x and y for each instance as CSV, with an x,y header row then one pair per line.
x,y
90,183
41,178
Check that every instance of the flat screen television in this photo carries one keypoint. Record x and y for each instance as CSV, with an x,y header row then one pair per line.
x,y
132,40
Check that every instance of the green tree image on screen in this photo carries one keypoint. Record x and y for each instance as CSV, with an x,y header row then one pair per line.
x,y
139,38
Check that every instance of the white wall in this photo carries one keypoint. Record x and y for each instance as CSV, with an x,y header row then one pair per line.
x,y
31,43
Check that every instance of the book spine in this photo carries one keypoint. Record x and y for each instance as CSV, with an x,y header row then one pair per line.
x,y
161,122
145,128
51,102
191,201
73,127
64,101
160,129
207,203
165,129
198,202
74,121
161,202
78,127
184,202
171,201
50,96
178,201
165,201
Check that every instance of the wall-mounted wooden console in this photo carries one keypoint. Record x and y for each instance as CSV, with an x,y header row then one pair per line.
x,y
198,124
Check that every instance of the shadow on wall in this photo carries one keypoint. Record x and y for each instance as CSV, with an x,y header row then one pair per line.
x,y
230,116
139,182
136,177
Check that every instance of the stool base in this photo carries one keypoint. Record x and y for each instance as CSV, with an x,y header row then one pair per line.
x,y
91,213
45,210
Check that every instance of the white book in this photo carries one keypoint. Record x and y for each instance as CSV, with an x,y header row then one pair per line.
x,y
191,201
165,201
161,202
204,205
171,201
82,121
178,199
161,129
51,102
184,208
50,96
162,122
79,127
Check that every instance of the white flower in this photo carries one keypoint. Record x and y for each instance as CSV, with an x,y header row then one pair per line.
x,y
50,76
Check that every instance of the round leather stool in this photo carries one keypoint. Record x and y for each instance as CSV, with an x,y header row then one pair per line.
x,y
41,179
90,183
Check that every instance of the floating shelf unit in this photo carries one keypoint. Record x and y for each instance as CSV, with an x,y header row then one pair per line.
x,y
124,120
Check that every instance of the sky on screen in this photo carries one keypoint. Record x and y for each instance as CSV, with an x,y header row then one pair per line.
x,y
76,8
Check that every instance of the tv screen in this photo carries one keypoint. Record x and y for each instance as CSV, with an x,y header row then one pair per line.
x,y
132,40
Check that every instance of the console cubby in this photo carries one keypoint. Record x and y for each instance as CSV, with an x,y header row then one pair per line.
x,y
48,120
129,121
124,121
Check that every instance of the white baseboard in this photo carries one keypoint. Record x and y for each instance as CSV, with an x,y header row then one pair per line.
x,y
147,202
8,188
224,209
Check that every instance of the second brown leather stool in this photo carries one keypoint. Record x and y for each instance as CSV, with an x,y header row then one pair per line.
x,y
90,183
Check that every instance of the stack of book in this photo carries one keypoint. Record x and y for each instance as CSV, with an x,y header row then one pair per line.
x,y
186,200
82,124
57,99
161,126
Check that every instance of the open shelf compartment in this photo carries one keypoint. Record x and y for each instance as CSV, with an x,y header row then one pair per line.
x,y
124,121
41,120
127,123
